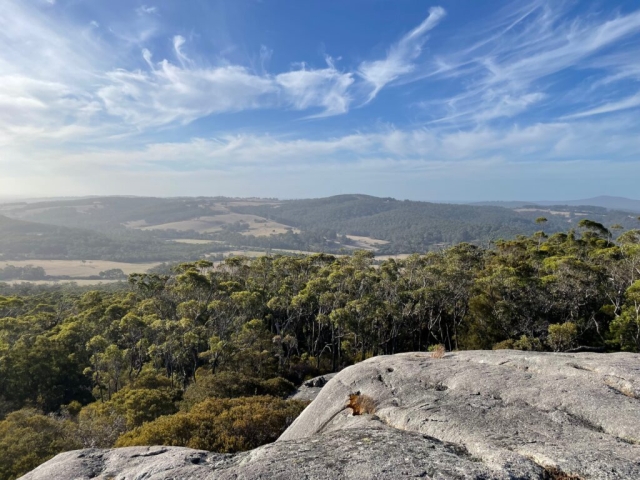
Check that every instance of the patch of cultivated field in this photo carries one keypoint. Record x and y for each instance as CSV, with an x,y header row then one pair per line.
x,y
191,241
550,212
260,253
200,225
244,253
80,268
79,282
136,224
256,225
276,251
268,229
366,243
248,203
400,256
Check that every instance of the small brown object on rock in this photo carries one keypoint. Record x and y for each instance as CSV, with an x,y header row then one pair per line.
x,y
361,404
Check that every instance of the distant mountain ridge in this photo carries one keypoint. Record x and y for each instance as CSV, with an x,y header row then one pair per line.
x,y
604,201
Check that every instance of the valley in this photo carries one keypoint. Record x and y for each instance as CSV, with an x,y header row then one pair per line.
x,y
143,231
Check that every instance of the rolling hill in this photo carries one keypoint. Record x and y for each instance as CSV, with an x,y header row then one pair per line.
x,y
164,229
24,240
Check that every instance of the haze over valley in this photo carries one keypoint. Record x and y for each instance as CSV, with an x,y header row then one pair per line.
x,y
102,239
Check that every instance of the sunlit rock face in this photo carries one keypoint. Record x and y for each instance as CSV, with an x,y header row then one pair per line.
x,y
469,415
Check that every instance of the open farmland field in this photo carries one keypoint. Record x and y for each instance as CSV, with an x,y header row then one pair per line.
x,y
255,225
80,268
192,241
80,282
244,253
400,256
366,243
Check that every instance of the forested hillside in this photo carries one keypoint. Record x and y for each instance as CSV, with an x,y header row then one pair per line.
x,y
29,240
139,229
199,357
417,226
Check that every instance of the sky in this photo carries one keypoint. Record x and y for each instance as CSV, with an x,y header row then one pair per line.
x,y
456,100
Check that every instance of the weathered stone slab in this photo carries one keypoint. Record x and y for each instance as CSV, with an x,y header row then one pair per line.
x,y
471,415
576,413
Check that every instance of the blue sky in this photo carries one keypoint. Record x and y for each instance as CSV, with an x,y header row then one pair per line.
x,y
454,100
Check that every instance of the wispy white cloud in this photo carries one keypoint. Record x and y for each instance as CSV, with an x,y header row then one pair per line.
x,y
67,79
265,56
501,104
145,10
169,93
178,42
400,56
542,142
623,104
46,70
327,88
102,92
507,71
419,159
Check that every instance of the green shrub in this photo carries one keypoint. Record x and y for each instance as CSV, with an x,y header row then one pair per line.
x,y
277,387
563,336
220,425
143,405
29,438
505,345
232,385
528,344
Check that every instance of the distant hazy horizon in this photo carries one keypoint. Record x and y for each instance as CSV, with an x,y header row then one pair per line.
x,y
441,101
9,198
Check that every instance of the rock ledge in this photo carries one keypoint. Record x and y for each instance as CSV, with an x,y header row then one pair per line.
x,y
471,415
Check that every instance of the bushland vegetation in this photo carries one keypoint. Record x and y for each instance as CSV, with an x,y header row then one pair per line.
x,y
206,356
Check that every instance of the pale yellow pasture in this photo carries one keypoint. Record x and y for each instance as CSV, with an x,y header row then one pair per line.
x,y
550,212
80,268
400,256
192,241
268,229
257,226
250,203
276,251
244,253
366,243
79,282
201,224
136,224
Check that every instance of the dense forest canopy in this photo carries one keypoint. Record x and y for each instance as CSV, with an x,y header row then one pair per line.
x,y
147,363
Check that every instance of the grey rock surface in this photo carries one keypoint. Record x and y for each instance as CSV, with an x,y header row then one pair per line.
x,y
369,452
471,415
310,389
515,411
